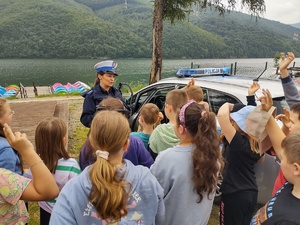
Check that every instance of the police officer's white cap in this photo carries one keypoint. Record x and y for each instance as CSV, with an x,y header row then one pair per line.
x,y
108,66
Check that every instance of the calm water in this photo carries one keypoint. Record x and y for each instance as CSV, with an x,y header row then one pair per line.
x,y
49,71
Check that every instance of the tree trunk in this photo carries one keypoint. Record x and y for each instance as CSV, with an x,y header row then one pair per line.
x,y
157,30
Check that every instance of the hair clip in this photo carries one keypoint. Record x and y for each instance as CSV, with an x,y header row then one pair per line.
x,y
182,111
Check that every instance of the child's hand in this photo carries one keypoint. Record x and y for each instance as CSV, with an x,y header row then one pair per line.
x,y
285,62
266,100
285,118
17,140
191,83
160,117
253,88
205,104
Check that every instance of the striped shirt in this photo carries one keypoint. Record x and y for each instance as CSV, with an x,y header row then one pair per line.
x,y
66,169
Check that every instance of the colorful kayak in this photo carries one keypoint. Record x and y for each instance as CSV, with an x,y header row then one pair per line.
x,y
9,91
70,88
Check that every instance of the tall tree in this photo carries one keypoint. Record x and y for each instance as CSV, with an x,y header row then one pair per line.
x,y
177,10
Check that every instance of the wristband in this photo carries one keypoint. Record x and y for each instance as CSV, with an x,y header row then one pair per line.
x,y
38,162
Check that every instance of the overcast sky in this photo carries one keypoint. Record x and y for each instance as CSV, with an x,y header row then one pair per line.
x,y
284,11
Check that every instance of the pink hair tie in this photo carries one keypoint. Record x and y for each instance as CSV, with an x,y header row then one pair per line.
x,y
102,154
182,112
203,113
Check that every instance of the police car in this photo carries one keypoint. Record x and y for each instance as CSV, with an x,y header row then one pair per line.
x,y
217,89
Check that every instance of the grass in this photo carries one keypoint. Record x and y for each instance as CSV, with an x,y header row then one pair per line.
x,y
59,94
34,212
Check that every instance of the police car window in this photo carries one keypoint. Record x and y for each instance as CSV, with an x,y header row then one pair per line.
x,y
205,95
160,97
138,100
280,103
217,99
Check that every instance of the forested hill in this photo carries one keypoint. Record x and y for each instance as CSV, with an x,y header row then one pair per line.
x,y
111,29
296,25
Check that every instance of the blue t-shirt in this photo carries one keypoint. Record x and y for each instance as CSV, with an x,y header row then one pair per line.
x,y
9,158
144,137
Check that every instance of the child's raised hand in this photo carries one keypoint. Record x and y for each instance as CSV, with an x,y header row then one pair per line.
x,y
160,116
285,62
17,140
266,100
253,88
285,118
191,83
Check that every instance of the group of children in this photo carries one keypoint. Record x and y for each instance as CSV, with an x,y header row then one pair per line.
x,y
184,157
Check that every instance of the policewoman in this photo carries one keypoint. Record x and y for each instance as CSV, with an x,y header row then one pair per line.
x,y
103,88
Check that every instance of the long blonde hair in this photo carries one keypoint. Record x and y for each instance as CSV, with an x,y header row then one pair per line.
x,y
109,194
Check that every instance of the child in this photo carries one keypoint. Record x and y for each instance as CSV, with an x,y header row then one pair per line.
x,y
290,89
149,115
136,152
196,93
241,152
292,97
284,207
163,135
189,171
15,188
111,190
9,158
50,141
291,123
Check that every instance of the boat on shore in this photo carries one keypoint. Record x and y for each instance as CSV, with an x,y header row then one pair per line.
x,y
20,91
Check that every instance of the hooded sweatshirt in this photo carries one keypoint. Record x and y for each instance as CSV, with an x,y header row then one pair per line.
x,y
145,205
163,137
9,158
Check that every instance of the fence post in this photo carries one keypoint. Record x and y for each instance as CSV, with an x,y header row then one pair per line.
x,y
192,65
235,64
231,68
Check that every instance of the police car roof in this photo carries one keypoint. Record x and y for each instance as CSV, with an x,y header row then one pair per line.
x,y
234,85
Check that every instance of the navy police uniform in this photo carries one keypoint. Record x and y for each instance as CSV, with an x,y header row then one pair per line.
x,y
93,98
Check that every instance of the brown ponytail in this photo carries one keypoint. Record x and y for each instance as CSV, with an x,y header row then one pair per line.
x,y
109,194
207,158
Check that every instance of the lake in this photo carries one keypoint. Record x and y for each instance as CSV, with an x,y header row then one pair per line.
x,y
48,71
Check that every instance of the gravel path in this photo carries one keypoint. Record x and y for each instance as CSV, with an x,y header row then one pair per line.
x,y
29,112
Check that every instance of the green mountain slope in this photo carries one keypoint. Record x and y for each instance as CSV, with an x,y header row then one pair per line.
x,y
297,25
111,29
247,36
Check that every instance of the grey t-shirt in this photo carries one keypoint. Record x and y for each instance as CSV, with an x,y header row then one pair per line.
x,y
173,170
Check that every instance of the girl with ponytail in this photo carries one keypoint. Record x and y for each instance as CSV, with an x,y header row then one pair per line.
x,y
112,190
189,171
